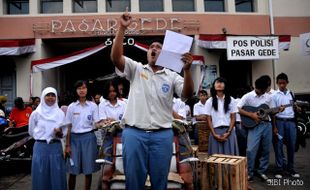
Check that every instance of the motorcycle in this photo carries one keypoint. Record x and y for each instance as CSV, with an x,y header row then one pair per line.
x,y
303,126
16,144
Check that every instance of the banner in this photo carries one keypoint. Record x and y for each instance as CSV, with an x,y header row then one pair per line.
x,y
252,47
305,43
209,76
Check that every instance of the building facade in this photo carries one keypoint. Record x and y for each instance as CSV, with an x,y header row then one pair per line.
x,y
61,30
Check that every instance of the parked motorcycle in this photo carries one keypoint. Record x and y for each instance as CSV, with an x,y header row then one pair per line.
x,y
303,126
16,144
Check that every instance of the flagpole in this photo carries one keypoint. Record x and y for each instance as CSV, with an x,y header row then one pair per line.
x,y
272,33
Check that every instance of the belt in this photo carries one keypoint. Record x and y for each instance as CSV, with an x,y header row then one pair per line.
x,y
222,127
148,130
238,122
285,119
52,141
83,133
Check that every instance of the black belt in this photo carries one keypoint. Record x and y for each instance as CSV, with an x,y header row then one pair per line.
x,y
148,130
285,119
238,122
52,141
222,127
83,133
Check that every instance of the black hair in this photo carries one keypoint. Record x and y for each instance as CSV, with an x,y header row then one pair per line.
x,y
19,103
106,89
158,40
125,83
78,84
34,98
227,99
262,83
203,92
282,76
267,78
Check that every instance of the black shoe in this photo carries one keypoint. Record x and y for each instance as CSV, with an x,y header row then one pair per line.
x,y
250,178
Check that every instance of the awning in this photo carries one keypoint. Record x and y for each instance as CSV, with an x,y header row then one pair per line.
x,y
48,63
17,47
218,41
141,46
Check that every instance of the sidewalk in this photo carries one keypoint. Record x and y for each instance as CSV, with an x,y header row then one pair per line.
x,y
19,178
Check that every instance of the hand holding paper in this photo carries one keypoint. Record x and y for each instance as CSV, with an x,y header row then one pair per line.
x,y
175,45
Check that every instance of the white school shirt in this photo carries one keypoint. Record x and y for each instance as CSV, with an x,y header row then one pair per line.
x,y
150,98
42,129
123,100
82,117
281,98
200,108
252,99
238,118
179,107
107,110
219,117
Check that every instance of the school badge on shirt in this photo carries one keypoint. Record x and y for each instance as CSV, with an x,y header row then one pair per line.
x,y
89,117
165,88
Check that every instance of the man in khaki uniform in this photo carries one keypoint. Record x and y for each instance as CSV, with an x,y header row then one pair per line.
x,y
148,136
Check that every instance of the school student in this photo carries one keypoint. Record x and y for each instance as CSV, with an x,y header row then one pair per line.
x,y
81,143
148,136
221,116
48,163
285,129
262,132
112,109
200,112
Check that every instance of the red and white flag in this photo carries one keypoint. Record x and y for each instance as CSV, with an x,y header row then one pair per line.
x,y
17,47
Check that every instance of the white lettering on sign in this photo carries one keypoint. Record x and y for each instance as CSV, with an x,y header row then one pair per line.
x,y
109,26
252,47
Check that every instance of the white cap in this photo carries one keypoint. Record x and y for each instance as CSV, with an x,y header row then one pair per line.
x,y
2,113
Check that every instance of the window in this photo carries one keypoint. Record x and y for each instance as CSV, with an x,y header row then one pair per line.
x,y
244,5
117,5
183,5
214,5
151,5
51,6
84,6
18,7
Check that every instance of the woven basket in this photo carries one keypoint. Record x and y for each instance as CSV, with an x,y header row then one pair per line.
x,y
203,136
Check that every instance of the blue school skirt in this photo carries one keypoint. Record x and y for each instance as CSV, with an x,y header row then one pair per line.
x,y
229,147
48,169
83,154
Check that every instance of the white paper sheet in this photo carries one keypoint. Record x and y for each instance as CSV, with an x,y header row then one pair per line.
x,y
175,45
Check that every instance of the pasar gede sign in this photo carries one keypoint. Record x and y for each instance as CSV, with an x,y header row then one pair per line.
x,y
252,47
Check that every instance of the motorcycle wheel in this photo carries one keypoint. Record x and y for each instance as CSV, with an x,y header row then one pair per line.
x,y
301,127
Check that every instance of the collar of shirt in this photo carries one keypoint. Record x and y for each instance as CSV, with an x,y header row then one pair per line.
x,y
219,98
78,102
282,92
108,103
201,104
256,95
148,67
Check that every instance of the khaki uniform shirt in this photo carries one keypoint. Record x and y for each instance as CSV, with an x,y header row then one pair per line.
x,y
151,94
